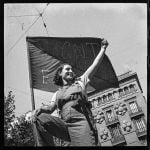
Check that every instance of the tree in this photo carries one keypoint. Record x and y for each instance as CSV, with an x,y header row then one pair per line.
x,y
22,133
19,133
16,133
9,116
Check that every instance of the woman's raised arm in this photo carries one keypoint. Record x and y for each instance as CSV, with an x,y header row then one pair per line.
x,y
92,69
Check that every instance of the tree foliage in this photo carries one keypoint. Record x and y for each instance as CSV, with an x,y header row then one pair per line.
x,y
22,133
9,116
19,133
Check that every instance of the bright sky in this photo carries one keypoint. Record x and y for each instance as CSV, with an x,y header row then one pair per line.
x,y
123,25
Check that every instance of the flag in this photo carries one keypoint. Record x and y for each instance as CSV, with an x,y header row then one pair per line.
x,y
46,54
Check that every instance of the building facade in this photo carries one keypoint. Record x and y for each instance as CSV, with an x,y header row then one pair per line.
x,y
121,113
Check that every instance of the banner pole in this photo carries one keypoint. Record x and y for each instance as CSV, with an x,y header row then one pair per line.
x,y
30,78
35,135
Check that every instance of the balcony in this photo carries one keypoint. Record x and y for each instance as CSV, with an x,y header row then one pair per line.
x,y
136,112
112,121
141,132
116,140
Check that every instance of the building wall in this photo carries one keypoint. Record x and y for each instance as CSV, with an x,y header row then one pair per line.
x,y
121,113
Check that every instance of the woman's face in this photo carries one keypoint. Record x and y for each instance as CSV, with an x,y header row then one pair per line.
x,y
67,73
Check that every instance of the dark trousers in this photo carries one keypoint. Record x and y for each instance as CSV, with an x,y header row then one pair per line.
x,y
46,126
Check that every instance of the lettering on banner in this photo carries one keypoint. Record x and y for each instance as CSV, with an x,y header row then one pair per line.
x,y
79,50
44,76
79,55
92,47
66,50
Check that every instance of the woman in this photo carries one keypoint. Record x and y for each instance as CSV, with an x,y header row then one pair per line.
x,y
76,124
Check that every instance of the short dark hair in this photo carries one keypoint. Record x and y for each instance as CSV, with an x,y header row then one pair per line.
x,y
58,79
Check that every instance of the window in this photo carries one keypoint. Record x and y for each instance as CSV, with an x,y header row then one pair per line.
x,y
104,98
115,131
115,94
126,90
117,137
110,115
132,88
110,97
140,125
99,100
121,93
133,107
95,102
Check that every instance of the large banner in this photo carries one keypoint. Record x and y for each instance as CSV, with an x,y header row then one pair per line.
x,y
46,54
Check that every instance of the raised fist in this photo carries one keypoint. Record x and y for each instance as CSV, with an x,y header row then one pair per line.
x,y
104,43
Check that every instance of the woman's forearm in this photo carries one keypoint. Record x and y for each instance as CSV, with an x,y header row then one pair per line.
x,y
99,58
92,69
49,109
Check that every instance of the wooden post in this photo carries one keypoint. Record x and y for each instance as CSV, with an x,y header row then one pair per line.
x,y
30,78
32,97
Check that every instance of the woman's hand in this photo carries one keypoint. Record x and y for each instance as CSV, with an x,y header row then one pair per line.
x,y
104,44
92,69
33,116
37,112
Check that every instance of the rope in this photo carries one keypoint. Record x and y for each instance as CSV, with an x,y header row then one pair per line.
x,y
24,16
45,25
22,35
28,29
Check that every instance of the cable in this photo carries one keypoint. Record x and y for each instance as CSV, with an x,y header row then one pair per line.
x,y
28,29
45,25
22,35
37,10
24,16
41,15
18,21
45,7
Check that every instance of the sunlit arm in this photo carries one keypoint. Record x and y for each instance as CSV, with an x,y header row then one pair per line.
x,y
93,68
50,108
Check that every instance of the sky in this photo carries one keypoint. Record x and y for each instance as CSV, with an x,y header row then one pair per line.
x,y
123,25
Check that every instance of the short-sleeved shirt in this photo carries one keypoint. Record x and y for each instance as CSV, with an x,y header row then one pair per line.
x,y
63,94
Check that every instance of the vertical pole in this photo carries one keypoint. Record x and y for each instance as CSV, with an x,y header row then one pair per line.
x,y
32,99
30,78
32,96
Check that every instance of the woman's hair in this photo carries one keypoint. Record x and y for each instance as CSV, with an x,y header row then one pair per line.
x,y
58,78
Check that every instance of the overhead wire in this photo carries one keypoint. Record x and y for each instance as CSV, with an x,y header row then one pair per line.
x,y
17,20
41,15
45,7
22,35
45,25
24,15
27,29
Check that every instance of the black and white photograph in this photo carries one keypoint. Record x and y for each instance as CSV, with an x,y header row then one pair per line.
x,y
75,74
